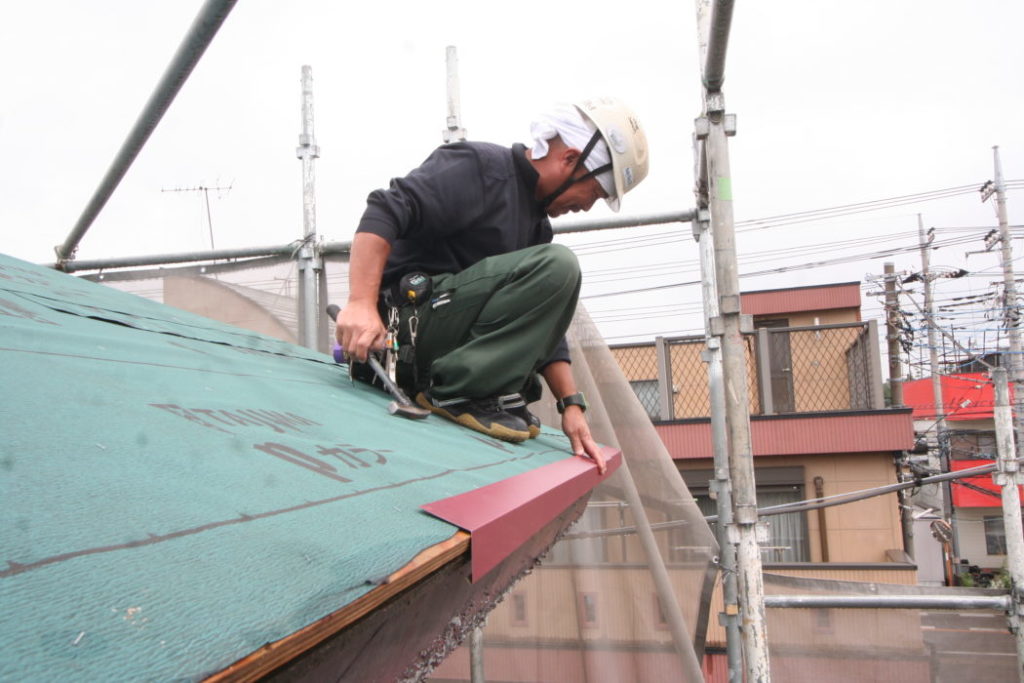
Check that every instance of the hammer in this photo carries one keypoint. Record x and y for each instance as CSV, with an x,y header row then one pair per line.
x,y
401,405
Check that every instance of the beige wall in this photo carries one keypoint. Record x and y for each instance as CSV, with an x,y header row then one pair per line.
x,y
689,376
627,609
206,297
856,532
805,319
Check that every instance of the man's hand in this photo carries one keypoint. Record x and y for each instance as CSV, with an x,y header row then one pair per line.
x,y
574,424
360,330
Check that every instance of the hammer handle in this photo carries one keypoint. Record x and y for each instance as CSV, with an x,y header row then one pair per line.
x,y
393,389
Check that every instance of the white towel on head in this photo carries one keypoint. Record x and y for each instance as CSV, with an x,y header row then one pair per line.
x,y
565,121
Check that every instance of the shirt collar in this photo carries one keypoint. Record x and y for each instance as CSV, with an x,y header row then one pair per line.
x,y
527,173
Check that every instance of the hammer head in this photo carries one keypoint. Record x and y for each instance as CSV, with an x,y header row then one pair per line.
x,y
411,412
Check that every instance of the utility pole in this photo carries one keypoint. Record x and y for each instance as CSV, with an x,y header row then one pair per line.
x,y
942,438
892,336
312,319
1010,313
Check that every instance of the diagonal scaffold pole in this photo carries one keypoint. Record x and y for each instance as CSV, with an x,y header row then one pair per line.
x,y
200,34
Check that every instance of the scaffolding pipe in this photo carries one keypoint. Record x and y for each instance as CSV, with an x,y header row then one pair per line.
x,y
734,365
1008,478
476,655
454,132
719,440
562,228
662,581
205,26
805,506
718,42
201,269
343,248
712,35
308,261
996,602
183,257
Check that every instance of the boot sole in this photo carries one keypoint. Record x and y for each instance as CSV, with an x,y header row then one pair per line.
x,y
495,430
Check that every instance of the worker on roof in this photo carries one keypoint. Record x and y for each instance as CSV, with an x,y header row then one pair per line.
x,y
492,315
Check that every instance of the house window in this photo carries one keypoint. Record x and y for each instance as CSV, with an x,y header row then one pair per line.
x,y
823,620
787,533
588,610
519,609
660,622
647,391
995,536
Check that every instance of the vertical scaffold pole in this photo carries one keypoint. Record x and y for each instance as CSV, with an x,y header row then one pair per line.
x,y
713,127
309,263
722,483
454,132
1008,477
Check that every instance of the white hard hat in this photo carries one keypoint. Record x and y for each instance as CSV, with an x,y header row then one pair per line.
x,y
626,142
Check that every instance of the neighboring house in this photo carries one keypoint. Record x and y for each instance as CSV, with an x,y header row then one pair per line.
x,y
819,427
976,507
245,307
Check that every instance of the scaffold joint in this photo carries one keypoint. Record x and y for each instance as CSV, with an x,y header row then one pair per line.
x,y
702,127
729,123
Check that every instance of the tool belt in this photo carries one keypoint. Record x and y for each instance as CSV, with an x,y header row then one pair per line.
x,y
397,307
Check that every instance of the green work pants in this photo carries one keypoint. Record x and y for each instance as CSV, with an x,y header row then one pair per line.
x,y
487,330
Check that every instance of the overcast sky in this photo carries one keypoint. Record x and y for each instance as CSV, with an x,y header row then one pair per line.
x,y
838,102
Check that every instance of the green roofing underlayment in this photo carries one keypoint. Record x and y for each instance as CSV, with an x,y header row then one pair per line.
x,y
175,492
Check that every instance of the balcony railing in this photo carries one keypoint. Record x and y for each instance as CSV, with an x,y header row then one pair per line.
x,y
821,368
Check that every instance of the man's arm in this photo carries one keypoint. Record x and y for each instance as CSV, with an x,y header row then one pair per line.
x,y
558,375
359,328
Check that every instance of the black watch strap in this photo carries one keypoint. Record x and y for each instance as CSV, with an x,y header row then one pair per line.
x,y
577,399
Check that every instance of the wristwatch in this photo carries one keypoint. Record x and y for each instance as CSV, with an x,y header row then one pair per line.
x,y
577,399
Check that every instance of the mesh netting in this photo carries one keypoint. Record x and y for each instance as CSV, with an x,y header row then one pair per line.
x,y
887,644
593,610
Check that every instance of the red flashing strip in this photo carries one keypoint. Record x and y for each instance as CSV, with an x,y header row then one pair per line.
x,y
504,515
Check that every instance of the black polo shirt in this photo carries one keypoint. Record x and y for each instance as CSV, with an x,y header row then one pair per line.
x,y
467,201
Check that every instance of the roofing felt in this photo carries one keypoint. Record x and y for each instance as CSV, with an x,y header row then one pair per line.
x,y
177,492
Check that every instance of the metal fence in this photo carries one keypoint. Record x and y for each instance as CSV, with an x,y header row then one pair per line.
x,y
821,368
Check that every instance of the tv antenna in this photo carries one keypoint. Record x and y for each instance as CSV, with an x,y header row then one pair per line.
x,y
205,189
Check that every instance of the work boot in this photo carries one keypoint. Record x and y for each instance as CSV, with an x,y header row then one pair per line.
x,y
483,415
514,404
